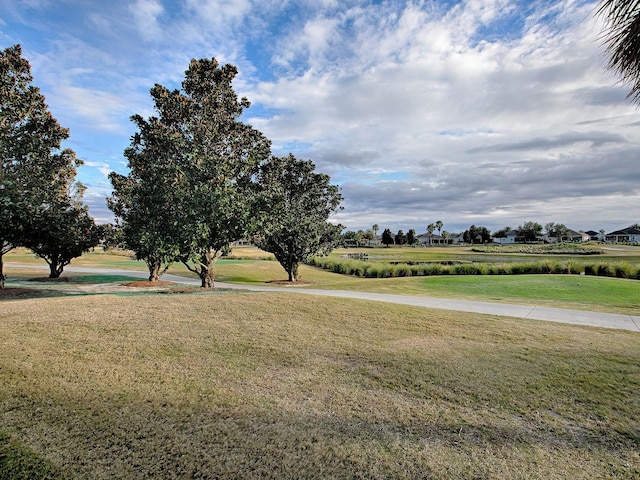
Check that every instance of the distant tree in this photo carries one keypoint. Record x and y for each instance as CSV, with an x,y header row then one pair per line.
x,y
400,238
561,231
530,231
439,226
362,236
36,174
476,234
556,230
349,235
111,237
375,229
502,233
550,228
430,228
387,237
411,237
469,234
622,37
446,236
296,204
635,225
62,231
368,235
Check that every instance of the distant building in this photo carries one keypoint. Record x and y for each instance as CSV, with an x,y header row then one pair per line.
x,y
430,239
595,236
626,235
569,236
510,239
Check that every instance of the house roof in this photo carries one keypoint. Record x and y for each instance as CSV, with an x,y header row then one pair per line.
x,y
432,235
626,231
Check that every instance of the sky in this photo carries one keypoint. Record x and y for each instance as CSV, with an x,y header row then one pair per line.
x,y
485,112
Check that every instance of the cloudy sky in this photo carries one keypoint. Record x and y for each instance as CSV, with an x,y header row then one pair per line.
x,y
486,112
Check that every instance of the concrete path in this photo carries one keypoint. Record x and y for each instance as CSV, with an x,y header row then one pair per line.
x,y
562,315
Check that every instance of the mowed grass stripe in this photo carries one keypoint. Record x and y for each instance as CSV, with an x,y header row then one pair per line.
x,y
281,386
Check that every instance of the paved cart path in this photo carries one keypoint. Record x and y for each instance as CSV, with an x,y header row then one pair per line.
x,y
531,312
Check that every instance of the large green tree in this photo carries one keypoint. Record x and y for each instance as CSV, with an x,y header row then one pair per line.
x,y
36,174
206,159
622,37
295,204
146,201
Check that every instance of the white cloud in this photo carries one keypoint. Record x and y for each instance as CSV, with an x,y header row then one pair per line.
x,y
146,14
104,168
483,111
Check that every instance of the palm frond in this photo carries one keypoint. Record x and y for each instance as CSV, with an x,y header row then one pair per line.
x,y
622,38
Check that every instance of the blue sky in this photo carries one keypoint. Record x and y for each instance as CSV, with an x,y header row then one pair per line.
x,y
486,112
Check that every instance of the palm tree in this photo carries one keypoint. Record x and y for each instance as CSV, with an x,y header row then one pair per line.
x,y
622,38
375,229
439,226
430,229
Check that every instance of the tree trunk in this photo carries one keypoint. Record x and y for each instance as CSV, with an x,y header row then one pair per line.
x,y
154,271
54,270
2,277
293,272
206,273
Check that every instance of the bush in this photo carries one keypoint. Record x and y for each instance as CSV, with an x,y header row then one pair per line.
x,y
402,270
468,269
622,270
361,268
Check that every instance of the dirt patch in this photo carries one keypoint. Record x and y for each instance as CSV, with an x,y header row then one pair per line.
x,y
20,292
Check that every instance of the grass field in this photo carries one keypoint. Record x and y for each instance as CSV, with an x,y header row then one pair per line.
x,y
578,292
256,385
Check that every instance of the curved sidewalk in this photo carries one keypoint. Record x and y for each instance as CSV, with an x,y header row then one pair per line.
x,y
561,315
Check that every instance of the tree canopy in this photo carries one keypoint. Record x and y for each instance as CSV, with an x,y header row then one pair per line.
x,y
199,161
294,204
37,176
529,231
387,237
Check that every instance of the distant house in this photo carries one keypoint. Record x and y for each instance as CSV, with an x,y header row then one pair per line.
x,y
430,239
626,235
457,238
568,236
595,236
508,240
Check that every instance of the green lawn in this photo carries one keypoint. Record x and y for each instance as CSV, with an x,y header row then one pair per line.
x,y
256,385
568,291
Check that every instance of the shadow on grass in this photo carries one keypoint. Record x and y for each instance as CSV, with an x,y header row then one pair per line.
x,y
18,462
158,441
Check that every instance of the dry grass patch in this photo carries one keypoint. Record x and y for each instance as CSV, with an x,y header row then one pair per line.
x,y
243,385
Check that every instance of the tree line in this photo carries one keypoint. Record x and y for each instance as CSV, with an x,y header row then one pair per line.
x,y
199,179
476,234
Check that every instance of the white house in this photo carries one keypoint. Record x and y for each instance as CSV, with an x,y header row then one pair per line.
x,y
626,235
430,239
510,239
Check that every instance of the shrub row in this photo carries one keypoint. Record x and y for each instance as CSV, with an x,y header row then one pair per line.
x,y
365,269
